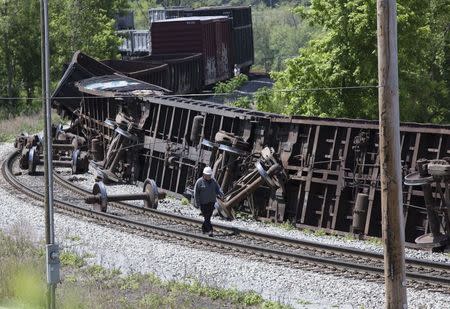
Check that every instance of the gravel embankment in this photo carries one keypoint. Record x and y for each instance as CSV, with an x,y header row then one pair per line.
x,y
133,253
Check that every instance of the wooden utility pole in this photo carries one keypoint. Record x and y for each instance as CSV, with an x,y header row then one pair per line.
x,y
390,162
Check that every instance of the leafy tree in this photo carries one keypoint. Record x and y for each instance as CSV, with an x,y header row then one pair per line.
x,y
278,34
346,55
19,33
86,25
74,24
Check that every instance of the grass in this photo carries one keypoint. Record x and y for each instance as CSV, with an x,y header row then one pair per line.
x,y
320,232
184,201
71,259
22,284
10,128
375,240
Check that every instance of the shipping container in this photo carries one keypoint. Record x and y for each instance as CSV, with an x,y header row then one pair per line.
x,y
208,35
242,33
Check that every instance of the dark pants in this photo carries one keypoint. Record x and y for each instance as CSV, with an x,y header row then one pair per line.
x,y
207,211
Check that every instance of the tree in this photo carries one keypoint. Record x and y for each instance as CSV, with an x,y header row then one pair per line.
x,y
86,25
346,56
74,24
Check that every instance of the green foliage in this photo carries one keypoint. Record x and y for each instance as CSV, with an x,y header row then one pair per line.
x,y
346,55
22,284
265,102
68,258
237,297
320,232
140,9
274,305
231,85
184,201
308,231
242,102
278,34
375,241
86,26
74,24
157,301
131,282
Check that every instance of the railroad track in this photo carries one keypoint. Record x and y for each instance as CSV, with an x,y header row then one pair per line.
x,y
275,249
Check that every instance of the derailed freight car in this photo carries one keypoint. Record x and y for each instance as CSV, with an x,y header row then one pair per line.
x,y
309,170
208,35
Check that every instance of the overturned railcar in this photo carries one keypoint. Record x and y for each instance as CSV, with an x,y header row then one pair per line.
x,y
316,172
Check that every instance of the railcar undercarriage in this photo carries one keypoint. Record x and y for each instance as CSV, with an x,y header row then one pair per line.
x,y
315,172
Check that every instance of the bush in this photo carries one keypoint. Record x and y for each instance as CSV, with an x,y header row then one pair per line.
x,y
231,85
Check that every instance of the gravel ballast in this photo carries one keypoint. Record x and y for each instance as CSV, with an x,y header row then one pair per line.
x,y
170,261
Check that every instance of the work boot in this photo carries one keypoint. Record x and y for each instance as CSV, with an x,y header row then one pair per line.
x,y
211,234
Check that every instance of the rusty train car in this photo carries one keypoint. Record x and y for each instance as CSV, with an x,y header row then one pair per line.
x,y
316,172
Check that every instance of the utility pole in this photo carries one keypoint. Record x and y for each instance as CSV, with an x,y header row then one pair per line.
x,y
390,161
52,250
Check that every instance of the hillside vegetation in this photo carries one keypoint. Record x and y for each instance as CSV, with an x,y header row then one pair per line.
x,y
322,54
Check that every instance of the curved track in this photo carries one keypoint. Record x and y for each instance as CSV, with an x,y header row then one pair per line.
x,y
274,249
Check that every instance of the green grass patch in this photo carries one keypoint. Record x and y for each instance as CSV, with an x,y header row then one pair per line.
x,y
71,259
320,232
303,302
375,241
31,124
22,284
184,201
231,85
74,238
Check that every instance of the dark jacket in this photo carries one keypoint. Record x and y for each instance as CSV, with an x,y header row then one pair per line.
x,y
206,191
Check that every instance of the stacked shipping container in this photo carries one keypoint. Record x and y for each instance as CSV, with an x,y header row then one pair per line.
x,y
208,35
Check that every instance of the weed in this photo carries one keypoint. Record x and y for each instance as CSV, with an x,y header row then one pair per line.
x,y
251,299
32,123
308,231
157,301
320,232
303,302
153,279
97,272
131,282
74,238
71,278
349,237
275,305
71,259
288,226
375,241
88,255
242,102
231,85
184,201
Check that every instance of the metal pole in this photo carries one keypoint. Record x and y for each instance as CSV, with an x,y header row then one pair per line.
x,y
389,145
52,252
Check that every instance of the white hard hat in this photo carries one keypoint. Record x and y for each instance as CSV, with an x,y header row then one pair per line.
x,y
207,171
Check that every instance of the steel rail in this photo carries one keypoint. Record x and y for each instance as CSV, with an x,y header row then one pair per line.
x,y
270,238
277,255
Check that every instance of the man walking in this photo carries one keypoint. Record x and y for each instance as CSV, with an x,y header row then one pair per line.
x,y
206,191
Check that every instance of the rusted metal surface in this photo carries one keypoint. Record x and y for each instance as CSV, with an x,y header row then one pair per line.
x,y
242,31
184,71
150,195
327,163
208,35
